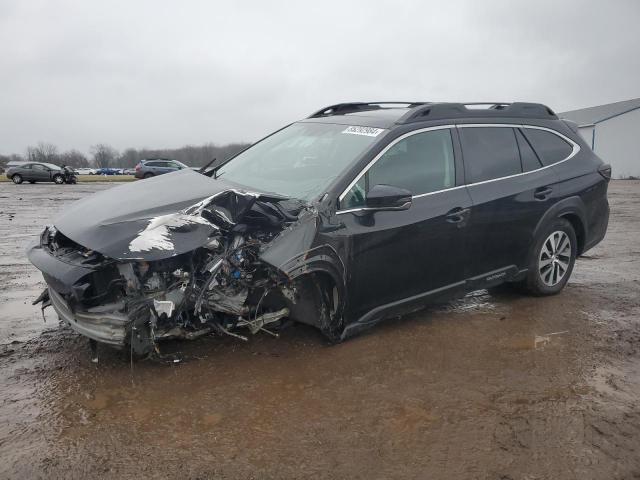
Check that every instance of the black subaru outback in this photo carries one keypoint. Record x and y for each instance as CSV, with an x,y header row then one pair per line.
x,y
356,213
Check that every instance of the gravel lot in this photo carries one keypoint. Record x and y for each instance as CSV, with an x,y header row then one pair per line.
x,y
488,387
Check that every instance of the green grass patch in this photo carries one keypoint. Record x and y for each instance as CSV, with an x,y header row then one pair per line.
x,y
106,178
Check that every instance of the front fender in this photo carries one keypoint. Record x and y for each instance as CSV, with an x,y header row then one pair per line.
x,y
298,251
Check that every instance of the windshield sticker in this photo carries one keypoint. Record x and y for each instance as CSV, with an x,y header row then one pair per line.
x,y
367,131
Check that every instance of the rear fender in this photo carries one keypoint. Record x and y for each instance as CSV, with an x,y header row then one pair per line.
x,y
571,206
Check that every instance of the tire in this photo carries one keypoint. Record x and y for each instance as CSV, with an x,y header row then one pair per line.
x,y
314,306
552,259
147,175
58,179
17,179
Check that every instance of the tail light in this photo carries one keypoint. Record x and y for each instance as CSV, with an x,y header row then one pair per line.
x,y
138,167
605,171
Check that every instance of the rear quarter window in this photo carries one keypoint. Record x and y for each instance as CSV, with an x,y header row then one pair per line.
x,y
489,153
550,147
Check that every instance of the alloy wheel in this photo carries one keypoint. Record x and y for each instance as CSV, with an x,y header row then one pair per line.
x,y
555,257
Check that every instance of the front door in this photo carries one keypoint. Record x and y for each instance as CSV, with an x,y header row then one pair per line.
x,y
396,255
40,173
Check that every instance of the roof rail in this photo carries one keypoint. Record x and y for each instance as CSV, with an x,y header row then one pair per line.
x,y
343,108
437,111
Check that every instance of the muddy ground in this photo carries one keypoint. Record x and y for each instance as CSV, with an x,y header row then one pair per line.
x,y
488,387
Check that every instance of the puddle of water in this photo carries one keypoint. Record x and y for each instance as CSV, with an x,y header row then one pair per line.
x,y
20,321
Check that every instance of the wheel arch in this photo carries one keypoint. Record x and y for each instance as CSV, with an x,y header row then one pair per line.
x,y
322,267
573,210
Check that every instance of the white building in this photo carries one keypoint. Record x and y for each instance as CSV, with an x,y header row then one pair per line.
x,y
613,131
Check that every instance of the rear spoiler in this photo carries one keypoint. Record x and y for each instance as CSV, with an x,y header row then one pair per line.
x,y
571,124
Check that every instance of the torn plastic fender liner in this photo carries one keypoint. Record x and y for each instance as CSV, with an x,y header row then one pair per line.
x,y
294,254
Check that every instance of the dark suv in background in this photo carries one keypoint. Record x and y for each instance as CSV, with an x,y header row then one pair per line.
x,y
359,212
157,166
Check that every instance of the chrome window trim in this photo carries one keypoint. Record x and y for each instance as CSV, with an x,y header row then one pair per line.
x,y
574,152
384,150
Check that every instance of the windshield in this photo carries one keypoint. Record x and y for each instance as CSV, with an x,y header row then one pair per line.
x,y
300,160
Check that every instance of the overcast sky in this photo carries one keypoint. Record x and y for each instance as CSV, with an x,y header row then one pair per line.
x,y
166,74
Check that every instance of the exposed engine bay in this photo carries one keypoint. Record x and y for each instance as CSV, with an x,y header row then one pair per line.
x,y
155,290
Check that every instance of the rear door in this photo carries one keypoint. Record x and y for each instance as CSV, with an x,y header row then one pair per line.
x,y
400,254
165,167
26,171
510,190
154,167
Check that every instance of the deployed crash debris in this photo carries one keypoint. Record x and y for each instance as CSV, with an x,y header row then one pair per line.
x,y
213,266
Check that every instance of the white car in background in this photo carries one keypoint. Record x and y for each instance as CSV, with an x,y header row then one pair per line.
x,y
85,171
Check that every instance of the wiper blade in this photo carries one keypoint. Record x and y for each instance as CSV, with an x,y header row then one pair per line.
x,y
204,168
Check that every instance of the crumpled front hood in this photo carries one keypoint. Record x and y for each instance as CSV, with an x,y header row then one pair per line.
x,y
151,219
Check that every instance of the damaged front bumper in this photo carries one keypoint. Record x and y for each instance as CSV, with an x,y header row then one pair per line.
x,y
105,323
229,281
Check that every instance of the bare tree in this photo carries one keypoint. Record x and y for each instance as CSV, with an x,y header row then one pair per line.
x,y
129,158
43,152
192,155
74,158
104,155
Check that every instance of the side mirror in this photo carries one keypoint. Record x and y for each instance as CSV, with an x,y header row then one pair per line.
x,y
388,197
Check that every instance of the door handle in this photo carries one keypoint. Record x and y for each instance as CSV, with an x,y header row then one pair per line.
x,y
542,193
457,215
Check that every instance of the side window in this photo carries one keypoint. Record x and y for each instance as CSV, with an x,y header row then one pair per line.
x,y
152,164
420,163
28,166
489,152
37,166
549,146
530,160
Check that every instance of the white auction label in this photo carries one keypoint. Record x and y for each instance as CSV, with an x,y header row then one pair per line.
x,y
367,131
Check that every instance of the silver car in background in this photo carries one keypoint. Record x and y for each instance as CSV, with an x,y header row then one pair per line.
x,y
33,172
